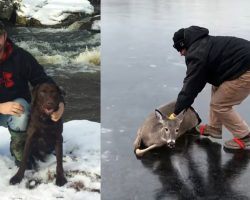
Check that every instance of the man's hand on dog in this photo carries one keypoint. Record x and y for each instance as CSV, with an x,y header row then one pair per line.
x,y
55,116
11,108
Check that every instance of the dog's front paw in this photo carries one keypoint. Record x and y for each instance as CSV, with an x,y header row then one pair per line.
x,y
60,180
15,179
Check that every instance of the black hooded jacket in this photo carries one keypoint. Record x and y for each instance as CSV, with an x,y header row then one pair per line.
x,y
210,59
16,72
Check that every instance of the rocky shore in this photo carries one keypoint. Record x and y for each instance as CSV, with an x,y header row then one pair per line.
x,y
33,14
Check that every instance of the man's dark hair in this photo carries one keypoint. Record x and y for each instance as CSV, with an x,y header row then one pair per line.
x,y
2,28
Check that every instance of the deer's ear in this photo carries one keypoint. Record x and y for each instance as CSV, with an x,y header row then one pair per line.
x,y
159,115
180,116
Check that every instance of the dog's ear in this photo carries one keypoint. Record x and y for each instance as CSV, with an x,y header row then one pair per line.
x,y
62,91
34,94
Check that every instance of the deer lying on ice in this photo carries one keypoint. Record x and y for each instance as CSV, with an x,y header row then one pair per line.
x,y
157,130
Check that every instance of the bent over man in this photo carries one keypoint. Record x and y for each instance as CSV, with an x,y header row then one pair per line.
x,y
224,62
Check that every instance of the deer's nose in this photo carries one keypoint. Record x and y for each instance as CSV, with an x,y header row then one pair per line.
x,y
171,144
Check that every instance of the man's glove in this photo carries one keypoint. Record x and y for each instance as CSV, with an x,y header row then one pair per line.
x,y
172,116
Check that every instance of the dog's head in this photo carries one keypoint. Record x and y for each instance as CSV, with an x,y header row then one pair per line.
x,y
46,97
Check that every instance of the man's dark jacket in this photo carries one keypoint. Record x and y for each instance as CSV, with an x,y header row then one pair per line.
x,y
17,70
210,59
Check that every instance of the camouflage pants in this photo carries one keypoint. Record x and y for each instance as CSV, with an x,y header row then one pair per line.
x,y
17,127
17,143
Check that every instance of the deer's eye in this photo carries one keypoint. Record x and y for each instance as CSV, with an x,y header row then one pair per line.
x,y
166,129
176,130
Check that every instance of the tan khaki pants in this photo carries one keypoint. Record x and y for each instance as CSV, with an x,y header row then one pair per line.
x,y
223,98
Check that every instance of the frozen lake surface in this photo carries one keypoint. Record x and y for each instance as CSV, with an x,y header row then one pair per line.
x,y
141,71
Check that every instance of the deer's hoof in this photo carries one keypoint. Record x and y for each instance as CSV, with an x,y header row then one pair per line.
x,y
139,152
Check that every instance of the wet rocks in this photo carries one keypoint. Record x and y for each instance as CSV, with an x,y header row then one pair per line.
x,y
6,9
97,5
88,23
24,21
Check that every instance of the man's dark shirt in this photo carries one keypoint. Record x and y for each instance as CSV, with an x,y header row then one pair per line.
x,y
18,68
210,59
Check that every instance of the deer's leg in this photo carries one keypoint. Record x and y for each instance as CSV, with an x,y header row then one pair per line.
x,y
137,142
141,152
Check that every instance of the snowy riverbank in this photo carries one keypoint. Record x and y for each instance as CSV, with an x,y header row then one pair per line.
x,y
81,166
51,12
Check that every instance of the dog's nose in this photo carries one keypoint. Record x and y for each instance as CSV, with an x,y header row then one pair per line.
x,y
50,103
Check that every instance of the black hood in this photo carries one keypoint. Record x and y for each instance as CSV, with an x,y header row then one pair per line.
x,y
194,33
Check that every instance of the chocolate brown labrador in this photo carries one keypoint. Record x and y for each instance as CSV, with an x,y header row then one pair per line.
x,y
43,134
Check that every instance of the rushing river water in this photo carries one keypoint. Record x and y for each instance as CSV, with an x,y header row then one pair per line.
x,y
66,56
140,71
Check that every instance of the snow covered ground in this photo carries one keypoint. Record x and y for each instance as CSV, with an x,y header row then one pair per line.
x,y
51,12
81,165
